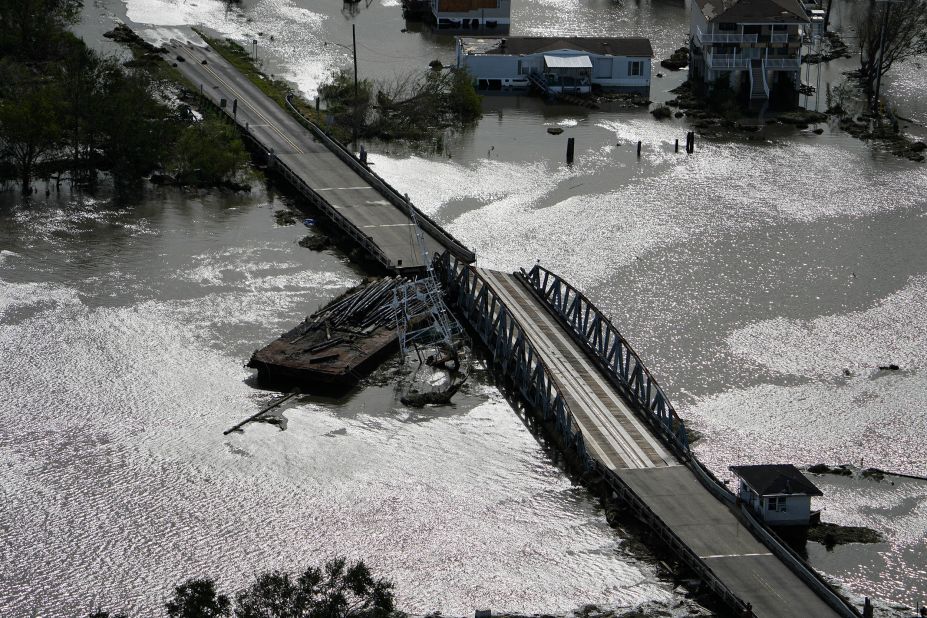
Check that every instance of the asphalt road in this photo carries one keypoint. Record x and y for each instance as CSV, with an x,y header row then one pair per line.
x,y
294,145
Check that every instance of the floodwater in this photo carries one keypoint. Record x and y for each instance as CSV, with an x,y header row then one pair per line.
x,y
749,276
124,332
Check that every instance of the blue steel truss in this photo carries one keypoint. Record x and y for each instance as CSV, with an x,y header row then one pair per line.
x,y
614,354
512,352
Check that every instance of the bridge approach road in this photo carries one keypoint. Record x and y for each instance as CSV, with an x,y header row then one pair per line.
x,y
356,200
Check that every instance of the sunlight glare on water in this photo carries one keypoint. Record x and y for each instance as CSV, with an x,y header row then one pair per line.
x,y
122,373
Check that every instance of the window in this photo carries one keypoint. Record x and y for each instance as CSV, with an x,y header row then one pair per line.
x,y
728,27
776,503
635,68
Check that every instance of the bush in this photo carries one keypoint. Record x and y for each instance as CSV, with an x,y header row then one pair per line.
x,y
463,99
662,112
210,152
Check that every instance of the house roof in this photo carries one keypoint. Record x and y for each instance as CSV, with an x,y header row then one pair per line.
x,y
524,45
777,479
754,11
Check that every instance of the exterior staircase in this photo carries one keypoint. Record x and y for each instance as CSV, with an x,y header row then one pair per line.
x,y
759,89
537,80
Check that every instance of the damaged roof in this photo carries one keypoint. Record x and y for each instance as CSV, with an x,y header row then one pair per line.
x,y
524,45
754,11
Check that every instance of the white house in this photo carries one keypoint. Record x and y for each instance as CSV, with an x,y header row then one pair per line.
x,y
472,14
572,64
779,494
754,44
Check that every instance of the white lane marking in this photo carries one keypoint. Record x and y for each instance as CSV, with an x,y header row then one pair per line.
x,y
345,188
596,407
734,555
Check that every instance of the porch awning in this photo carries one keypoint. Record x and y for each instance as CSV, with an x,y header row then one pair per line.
x,y
567,62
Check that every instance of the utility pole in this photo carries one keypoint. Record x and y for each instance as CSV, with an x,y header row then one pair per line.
x,y
356,97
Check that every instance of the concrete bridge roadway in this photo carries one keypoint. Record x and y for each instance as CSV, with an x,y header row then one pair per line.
x,y
295,146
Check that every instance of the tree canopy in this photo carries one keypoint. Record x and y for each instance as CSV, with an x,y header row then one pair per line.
x,y
66,109
905,37
336,590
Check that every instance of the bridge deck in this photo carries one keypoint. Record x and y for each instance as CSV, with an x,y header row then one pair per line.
x,y
612,431
617,438
295,146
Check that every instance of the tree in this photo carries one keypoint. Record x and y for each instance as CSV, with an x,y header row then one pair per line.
x,y
210,151
338,590
463,99
100,613
30,28
82,74
197,598
29,125
905,37
136,130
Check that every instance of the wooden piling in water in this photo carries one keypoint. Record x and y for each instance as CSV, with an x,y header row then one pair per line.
x,y
570,145
677,145
638,148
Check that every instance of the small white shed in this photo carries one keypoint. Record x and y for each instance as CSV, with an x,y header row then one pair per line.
x,y
778,493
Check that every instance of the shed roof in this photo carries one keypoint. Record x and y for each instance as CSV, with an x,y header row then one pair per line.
x,y
523,45
776,479
754,11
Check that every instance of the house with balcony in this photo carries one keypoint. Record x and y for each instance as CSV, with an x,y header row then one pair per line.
x,y
755,46
573,65
479,15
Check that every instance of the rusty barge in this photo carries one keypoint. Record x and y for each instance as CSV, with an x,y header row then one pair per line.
x,y
335,347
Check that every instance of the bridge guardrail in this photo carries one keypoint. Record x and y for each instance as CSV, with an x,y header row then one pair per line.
x,y
500,333
317,200
596,332
800,567
406,206
689,557
340,220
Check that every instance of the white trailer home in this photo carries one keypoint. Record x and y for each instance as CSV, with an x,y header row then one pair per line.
x,y
569,65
